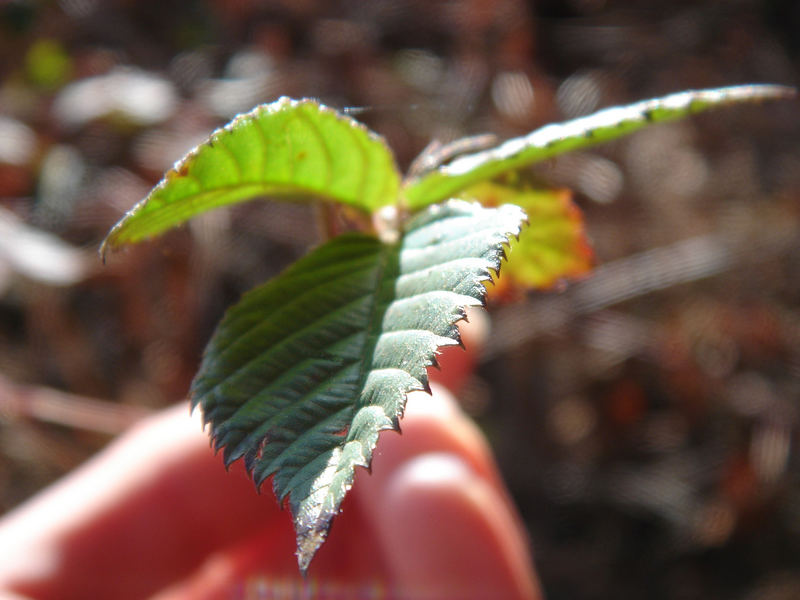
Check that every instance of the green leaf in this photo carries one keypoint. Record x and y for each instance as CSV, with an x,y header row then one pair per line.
x,y
555,139
305,370
291,149
553,246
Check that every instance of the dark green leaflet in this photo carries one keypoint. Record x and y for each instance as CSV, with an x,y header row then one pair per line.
x,y
300,389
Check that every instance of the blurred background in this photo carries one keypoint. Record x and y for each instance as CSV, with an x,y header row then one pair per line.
x,y
645,418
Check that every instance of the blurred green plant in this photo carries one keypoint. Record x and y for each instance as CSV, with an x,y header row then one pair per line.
x,y
304,372
47,64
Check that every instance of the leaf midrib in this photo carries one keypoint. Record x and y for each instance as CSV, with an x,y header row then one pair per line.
x,y
384,281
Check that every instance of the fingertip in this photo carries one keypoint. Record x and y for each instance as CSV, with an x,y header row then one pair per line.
x,y
447,533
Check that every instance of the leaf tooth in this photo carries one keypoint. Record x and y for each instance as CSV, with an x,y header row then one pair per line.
x,y
427,389
457,338
228,456
434,248
408,350
415,312
395,383
457,276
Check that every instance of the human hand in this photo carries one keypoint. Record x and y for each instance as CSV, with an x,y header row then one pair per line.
x,y
156,515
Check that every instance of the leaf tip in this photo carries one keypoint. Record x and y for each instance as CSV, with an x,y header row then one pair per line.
x,y
426,387
775,90
107,245
311,535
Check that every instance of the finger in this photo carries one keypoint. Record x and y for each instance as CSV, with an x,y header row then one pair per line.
x,y
448,534
148,509
435,517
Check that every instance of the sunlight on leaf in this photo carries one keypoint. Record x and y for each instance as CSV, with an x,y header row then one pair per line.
x,y
558,138
305,370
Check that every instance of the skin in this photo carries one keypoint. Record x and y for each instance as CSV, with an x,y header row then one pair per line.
x,y
156,515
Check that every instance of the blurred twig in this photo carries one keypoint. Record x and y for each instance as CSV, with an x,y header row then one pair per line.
x,y
53,406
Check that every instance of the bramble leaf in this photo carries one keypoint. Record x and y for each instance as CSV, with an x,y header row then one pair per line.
x,y
291,149
304,371
553,246
448,180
